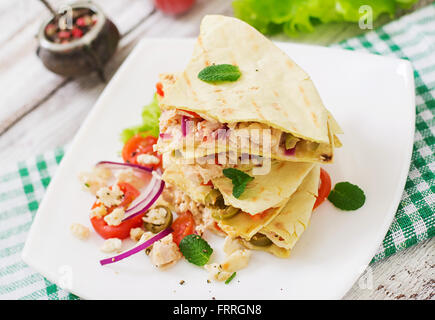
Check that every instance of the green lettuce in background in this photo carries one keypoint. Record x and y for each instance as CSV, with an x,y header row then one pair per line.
x,y
150,122
295,16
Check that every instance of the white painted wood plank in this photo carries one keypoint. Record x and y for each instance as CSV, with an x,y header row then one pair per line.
x,y
25,80
408,274
56,120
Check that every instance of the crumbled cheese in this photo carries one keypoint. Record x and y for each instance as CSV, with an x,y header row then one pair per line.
x,y
155,216
79,231
115,217
164,252
237,260
147,159
110,197
136,234
231,245
99,212
199,229
112,245
215,272
146,236
95,180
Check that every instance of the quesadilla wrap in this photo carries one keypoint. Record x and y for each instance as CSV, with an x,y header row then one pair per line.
x,y
273,95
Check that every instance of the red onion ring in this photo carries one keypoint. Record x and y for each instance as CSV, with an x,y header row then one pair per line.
x,y
290,152
147,198
184,125
165,136
137,249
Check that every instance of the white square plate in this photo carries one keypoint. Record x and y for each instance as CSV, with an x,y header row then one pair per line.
x,y
372,98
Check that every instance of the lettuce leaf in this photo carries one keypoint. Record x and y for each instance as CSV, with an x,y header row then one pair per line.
x,y
150,122
295,16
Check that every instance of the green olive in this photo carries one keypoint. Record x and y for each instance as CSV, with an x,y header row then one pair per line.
x,y
156,228
226,213
260,240
290,141
215,199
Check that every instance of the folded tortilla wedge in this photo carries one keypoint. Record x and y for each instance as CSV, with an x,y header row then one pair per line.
x,y
273,96
286,228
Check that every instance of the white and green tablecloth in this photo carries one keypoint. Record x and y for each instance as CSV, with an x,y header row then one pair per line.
x,y
412,37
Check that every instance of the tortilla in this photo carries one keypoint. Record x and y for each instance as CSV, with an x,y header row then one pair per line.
x,y
265,191
272,89
245,226
287,227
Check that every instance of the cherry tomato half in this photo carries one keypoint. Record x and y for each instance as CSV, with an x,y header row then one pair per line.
x,y
122,230
183,226
174,6
324,188
140,143
159,89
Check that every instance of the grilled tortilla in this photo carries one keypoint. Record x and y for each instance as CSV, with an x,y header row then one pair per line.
x,y
273,91
286,228
265,191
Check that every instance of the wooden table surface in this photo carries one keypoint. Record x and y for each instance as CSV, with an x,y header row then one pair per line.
x,y
40,110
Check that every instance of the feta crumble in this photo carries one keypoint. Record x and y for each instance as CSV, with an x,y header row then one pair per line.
x,y
136,234
235,261
164,252
216,273
147,159
155,216
231,245
112,245
110,197
79,231
99,212
115,217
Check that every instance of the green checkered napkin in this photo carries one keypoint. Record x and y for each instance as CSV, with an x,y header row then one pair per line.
x,y
412,37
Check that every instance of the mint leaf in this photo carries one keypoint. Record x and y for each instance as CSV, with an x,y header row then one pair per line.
x,y
239,179
195,249
347,196
230,278
220,73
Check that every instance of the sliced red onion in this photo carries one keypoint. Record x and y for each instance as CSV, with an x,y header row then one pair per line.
x,y
137,249
121,165
165,136
184,120
147,198
290,152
